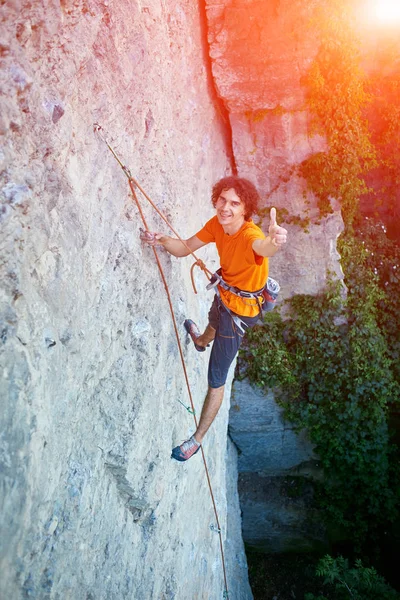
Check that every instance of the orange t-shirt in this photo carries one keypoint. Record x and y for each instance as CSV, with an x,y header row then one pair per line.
x,y
241,266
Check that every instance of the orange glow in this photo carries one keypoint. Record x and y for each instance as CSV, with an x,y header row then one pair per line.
x,y
388,11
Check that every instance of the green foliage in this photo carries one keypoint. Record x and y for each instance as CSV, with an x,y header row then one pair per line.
x,y
386,132
338,376
259,115
352,583
284,217
382,258
336,98
383,115
337,359
266,358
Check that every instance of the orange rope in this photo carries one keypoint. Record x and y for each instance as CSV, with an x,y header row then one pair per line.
x,y
199,263
132,183
186,379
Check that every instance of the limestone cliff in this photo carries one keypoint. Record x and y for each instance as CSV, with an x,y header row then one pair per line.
x,y
92,505
260,51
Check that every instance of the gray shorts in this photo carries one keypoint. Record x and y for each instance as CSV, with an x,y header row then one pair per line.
x,y
227,342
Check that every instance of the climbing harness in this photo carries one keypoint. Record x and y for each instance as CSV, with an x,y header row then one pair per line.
x,y
134,184
265,297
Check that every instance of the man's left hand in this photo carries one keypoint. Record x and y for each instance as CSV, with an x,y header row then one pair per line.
x,y
277,234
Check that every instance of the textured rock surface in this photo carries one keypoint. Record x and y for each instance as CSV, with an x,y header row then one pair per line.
x,y
260,51
92,506
278,515
276,469
266,442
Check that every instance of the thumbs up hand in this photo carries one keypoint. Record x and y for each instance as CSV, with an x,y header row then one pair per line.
x,y
277,233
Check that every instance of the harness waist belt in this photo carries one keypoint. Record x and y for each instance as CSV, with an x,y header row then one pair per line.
x,y
268,294
272,287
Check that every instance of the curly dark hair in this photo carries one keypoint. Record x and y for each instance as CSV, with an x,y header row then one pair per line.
x,y
246,191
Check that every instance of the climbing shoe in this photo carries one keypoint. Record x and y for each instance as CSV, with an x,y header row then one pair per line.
x,y
186,450
194,333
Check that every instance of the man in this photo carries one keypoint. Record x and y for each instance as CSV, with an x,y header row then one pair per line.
x,y
244,251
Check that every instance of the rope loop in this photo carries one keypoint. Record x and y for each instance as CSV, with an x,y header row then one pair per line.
x,y
201,264
192,277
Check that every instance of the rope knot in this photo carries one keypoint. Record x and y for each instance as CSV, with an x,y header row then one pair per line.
x,y
201,264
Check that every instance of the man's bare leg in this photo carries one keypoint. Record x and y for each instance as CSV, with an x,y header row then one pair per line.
x,y
211,406
208,336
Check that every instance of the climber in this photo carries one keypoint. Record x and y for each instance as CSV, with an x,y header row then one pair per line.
x,y
244,251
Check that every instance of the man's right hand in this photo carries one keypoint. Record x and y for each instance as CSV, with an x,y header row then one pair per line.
x,y
175,247
150,237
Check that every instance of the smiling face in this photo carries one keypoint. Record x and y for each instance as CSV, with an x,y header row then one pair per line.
x,y
230,211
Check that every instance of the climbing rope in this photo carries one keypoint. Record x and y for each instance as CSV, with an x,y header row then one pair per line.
x,y
132,184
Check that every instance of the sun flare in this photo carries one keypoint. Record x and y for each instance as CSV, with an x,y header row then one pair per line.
x,y
388,11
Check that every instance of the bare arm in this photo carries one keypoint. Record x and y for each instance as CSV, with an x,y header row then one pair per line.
x,y
275,239
177,248
265,247
172,245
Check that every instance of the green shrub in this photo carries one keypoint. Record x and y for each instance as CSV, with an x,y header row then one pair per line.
x,y
337,96
352,583
336,376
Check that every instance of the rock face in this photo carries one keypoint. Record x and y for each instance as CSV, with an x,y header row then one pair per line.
x,y
278,514
276,467
266,442
260,51
91,503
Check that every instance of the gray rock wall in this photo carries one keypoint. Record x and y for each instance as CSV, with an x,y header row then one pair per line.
x,y
92,505
276,468
279,516
266,442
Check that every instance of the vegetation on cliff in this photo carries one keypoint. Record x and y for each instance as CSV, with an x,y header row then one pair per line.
x,y
336,359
